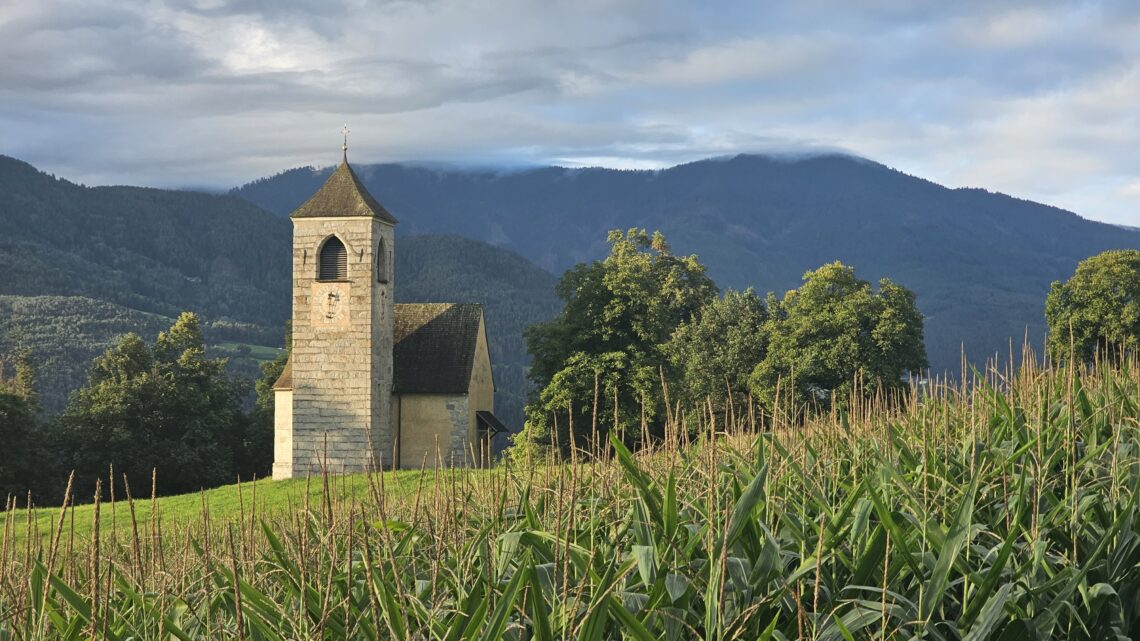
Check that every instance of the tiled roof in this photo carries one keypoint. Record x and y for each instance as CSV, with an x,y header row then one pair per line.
x,y
435,347
342,195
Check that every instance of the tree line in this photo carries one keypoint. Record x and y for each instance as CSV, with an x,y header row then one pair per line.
x,y
161,413
645,333
642,333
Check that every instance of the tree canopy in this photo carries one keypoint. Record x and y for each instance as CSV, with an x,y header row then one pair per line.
x,y
714,353
644,328
833,329
1098,308
598,364
166,407
18,407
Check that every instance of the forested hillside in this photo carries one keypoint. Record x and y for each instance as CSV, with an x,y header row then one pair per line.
x,y
83,266
146,249
63,333
980,262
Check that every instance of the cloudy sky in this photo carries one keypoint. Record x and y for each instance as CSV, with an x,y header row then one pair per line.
x,y
1037,99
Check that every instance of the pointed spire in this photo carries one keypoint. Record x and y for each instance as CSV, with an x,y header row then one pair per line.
x,y
343,194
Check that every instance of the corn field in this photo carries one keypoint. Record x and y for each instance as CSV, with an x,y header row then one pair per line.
x,y
999,508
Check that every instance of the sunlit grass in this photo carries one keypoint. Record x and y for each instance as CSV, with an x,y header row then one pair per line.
x,y
262,498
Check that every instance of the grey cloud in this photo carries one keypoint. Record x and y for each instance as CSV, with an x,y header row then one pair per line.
x,y
1037,99
86,44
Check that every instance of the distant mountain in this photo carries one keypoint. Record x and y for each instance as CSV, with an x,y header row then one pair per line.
x,y
81,266
981,262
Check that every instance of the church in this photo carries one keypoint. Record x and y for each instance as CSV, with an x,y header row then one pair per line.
x,y
371,384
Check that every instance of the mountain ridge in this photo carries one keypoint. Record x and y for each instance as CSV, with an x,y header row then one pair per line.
x,y
980,261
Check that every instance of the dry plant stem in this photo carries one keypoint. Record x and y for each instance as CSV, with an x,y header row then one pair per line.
x,y
239,623
95,630
915,453
136,550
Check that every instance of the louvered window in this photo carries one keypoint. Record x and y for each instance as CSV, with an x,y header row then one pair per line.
x,y
334,261
382,262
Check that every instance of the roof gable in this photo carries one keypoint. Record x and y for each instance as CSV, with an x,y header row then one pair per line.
x,y
342,195
434,347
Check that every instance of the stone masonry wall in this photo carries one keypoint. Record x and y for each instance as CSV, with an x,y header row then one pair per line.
x,y
460,454
282,434
434,430
342,350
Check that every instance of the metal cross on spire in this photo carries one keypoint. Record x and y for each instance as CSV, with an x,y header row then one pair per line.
x,y
344,148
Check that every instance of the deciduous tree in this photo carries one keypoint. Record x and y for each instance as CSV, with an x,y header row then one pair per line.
x,y
835,330
619,315
18,408
1097,309
714,353
168,408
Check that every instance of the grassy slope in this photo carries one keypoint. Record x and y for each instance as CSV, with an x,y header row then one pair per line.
x,y
225,504
256,352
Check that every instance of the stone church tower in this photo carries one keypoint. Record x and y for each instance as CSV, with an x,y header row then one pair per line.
x,y
340,371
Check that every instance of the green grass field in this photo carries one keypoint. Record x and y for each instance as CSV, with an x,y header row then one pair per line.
x,y
257,352
263,498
